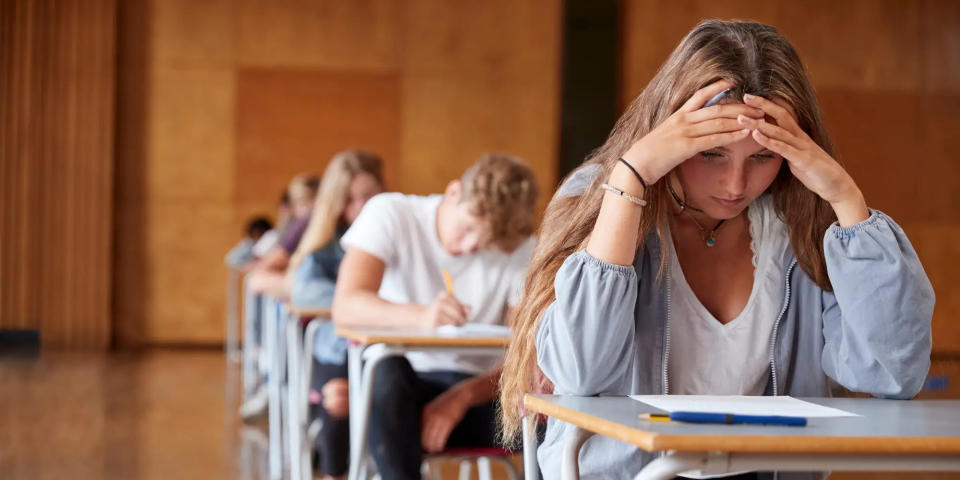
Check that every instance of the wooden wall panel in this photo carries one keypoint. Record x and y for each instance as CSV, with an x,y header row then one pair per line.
x,y
175,170
56,169
332,35
293,121
888,79
479,77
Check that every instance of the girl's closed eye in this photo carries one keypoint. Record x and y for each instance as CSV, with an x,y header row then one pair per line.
x,y
761,157
712,156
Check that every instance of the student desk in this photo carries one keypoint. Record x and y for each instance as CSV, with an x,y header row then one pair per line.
x,y
274,351
895,435
368,347
299,366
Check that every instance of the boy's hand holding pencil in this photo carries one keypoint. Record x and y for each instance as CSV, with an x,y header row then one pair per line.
x,y
445,309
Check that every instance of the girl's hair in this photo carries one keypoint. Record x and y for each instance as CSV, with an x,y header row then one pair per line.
x,y
332,199
758,60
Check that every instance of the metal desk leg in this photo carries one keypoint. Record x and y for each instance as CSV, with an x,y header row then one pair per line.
x,y
233,319
570,468
303,402
849,462
530,470
272,347
252,307
672,464
294,395
354,372
358,460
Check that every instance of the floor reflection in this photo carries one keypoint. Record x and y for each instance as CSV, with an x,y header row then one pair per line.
x,y
153,414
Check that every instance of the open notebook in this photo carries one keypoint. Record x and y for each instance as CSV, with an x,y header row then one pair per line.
x,y
474,330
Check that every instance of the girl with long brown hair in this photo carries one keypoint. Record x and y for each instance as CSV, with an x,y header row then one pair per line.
x,y
351,179
714,245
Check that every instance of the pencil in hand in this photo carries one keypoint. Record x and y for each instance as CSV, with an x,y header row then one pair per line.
x,y
448,280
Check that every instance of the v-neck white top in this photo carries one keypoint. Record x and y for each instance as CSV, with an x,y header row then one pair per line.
x,y
708,357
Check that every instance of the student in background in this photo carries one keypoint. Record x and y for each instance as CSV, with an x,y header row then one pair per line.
x,y
272,236
267,276
716,250
351,178
242,253
391,277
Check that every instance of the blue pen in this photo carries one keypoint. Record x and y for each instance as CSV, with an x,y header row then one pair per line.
x,y
729,418
716,98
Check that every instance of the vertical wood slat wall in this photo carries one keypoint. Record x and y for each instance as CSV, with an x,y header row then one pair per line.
x,y
57,90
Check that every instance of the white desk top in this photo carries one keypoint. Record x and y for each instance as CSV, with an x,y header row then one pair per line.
x,y
885,426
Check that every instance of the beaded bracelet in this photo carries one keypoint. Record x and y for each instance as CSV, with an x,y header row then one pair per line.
x,y
633,199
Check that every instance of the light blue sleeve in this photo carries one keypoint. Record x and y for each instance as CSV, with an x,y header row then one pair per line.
x,y
312,286
585,341
876,322
240,254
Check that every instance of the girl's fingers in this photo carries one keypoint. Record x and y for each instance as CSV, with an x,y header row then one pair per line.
x,y
770,130
728,110
785,150
786,106
783,117
704,94
717,125
707,142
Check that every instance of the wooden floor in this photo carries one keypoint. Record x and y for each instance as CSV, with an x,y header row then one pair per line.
x,y
158,414
150,415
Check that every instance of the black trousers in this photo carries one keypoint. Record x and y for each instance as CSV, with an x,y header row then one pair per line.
x,y
333,442
399,395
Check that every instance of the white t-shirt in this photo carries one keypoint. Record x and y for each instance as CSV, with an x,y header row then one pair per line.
x,y
401,230
708,357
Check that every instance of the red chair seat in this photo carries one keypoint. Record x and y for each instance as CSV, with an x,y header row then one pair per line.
x,y
478,452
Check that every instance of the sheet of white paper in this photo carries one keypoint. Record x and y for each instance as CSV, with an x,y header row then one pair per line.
x,y
474,330
741,405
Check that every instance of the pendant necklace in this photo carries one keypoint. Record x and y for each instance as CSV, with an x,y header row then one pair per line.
x,y
710,238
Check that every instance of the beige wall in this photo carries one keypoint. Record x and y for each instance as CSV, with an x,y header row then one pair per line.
x,y
222,102
888,78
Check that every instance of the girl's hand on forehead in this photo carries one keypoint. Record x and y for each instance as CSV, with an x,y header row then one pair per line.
x,y
688,131
815,168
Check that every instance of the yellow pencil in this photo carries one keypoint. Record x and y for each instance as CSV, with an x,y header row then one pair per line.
x,y
447,279
655,417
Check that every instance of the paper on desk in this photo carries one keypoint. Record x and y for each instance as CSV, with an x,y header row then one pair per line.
x,y
474,330
741,405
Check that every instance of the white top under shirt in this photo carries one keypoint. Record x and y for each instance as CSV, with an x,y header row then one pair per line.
x,y
711,358
401,230
708,357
